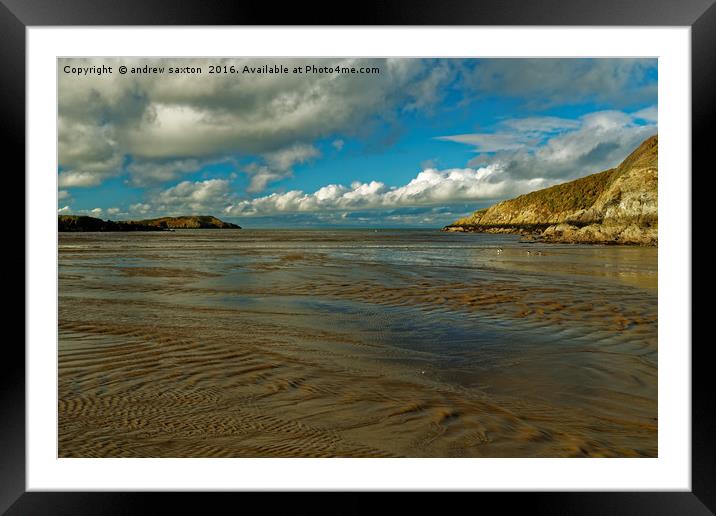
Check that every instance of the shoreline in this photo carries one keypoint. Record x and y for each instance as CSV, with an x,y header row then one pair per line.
x,y
564,233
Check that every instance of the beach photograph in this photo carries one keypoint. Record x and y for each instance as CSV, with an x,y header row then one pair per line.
x,y
357,257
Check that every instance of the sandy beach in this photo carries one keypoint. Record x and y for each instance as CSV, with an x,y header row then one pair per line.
x,y
348,343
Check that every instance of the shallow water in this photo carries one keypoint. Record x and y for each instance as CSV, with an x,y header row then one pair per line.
x,y
248,343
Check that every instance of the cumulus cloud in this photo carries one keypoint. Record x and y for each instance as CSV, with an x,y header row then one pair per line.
x,y
552,151
187,197
198,191
261,176
429,187
91,176
63,210
148,172
165,121
428,92
87,153
284,159
278,164
140,209
154,130
158,127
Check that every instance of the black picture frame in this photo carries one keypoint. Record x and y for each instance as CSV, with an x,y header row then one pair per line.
x,y
17,15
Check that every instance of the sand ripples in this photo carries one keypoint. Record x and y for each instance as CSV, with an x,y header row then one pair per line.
x,y
277,349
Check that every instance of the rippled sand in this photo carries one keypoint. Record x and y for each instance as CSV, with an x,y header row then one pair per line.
x,y
354,344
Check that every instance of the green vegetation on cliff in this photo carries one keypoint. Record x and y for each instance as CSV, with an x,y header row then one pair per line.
x,y
188,222
566,197
618,205
85,223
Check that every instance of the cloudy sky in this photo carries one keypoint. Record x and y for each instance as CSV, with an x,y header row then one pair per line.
x,y
416,142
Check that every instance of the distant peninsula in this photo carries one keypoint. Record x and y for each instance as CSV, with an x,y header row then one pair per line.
x,y
79,223
616,206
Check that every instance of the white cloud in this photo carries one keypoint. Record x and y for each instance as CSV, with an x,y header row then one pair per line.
x,y
187,198
63,194
140,209
284,159
87,152
164,121
63,210
554,148
148,172
531,153
649,114
261,176
167,126
564,149
80,179
515,133
429,187
521,155
197,192
429,91
278,165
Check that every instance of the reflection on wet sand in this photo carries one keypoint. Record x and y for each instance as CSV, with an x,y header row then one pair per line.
x,y
354,344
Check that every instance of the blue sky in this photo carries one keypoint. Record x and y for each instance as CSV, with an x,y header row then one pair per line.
x,y
420,143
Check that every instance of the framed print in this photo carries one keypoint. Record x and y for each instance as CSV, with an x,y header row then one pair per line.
x,y
417,253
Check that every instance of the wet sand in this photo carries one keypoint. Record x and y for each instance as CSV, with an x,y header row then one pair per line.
x,y
354,344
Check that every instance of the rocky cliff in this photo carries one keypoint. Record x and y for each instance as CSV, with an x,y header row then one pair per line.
x,y
615,206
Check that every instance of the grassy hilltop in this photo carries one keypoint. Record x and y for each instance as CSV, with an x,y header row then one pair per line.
x,y
188,222
618,205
